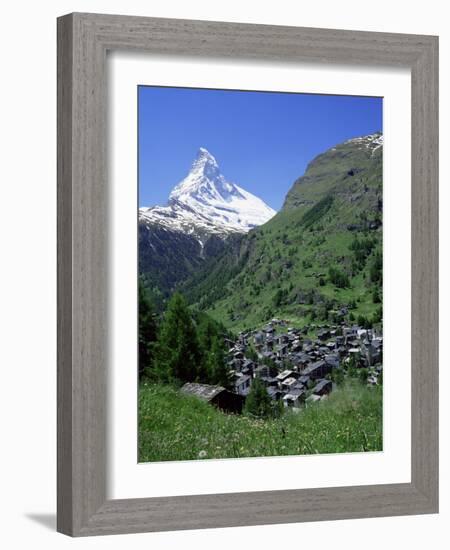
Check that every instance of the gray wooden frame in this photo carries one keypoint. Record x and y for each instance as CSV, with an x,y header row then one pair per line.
x,y
83,40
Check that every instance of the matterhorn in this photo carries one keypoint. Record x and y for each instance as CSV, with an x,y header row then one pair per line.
x,y
205,202
203,212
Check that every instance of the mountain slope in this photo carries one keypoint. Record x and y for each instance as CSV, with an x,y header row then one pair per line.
x,y
203,211
206,203
331,218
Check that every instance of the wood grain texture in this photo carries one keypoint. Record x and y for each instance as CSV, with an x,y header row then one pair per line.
x,y
83,40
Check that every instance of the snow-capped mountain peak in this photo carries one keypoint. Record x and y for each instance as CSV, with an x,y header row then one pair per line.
x,y
204,200
204,181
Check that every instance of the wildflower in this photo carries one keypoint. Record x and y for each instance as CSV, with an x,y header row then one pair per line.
x,y
202,454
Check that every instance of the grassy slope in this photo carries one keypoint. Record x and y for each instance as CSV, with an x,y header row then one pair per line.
x,y
277,263
289,251
177,427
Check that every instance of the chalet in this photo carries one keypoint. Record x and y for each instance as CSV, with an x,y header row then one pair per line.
x,y
262,371
235,364
289,383
307,348
332,360
322,387
323,334
242,384
373,351
269,343
301,360
258,339
350,333
215,395
282,350
294,398
274,393
284,375
296,346
317,370
248,371
304,380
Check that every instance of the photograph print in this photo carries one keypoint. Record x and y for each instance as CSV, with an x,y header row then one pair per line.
x,y
260,284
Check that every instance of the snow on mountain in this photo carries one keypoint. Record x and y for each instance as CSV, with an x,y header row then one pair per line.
x,y
204,202
371,141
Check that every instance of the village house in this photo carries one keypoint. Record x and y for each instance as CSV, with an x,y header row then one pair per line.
x,y
323,334
215,395
242,384
332,360
372,351
284,375
294,398
300,360
323,387
262,371
317,370
274,393
288,383
258,339
282,351
296,345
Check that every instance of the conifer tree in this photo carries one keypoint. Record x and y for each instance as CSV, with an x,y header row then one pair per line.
x,y
178,356
258,401
147,332
217,365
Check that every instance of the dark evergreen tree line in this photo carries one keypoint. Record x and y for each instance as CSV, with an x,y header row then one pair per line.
x,y
183,346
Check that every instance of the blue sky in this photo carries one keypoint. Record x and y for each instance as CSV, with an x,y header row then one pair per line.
x,y
262,141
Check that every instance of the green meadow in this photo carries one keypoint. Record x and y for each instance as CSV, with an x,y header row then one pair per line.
x,y
173,426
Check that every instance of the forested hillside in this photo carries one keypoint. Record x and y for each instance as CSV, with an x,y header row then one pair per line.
x,y
319,258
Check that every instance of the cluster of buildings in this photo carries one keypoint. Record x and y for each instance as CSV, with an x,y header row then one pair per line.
x,y
294,368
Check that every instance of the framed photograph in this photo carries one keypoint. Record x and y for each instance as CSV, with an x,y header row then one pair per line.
x,y
247,274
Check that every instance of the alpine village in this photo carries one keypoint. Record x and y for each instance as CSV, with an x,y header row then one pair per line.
x,y
260,332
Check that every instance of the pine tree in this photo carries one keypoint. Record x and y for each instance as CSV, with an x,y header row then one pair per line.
x,y
376,299
258,402
217,365
178,357
147,332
